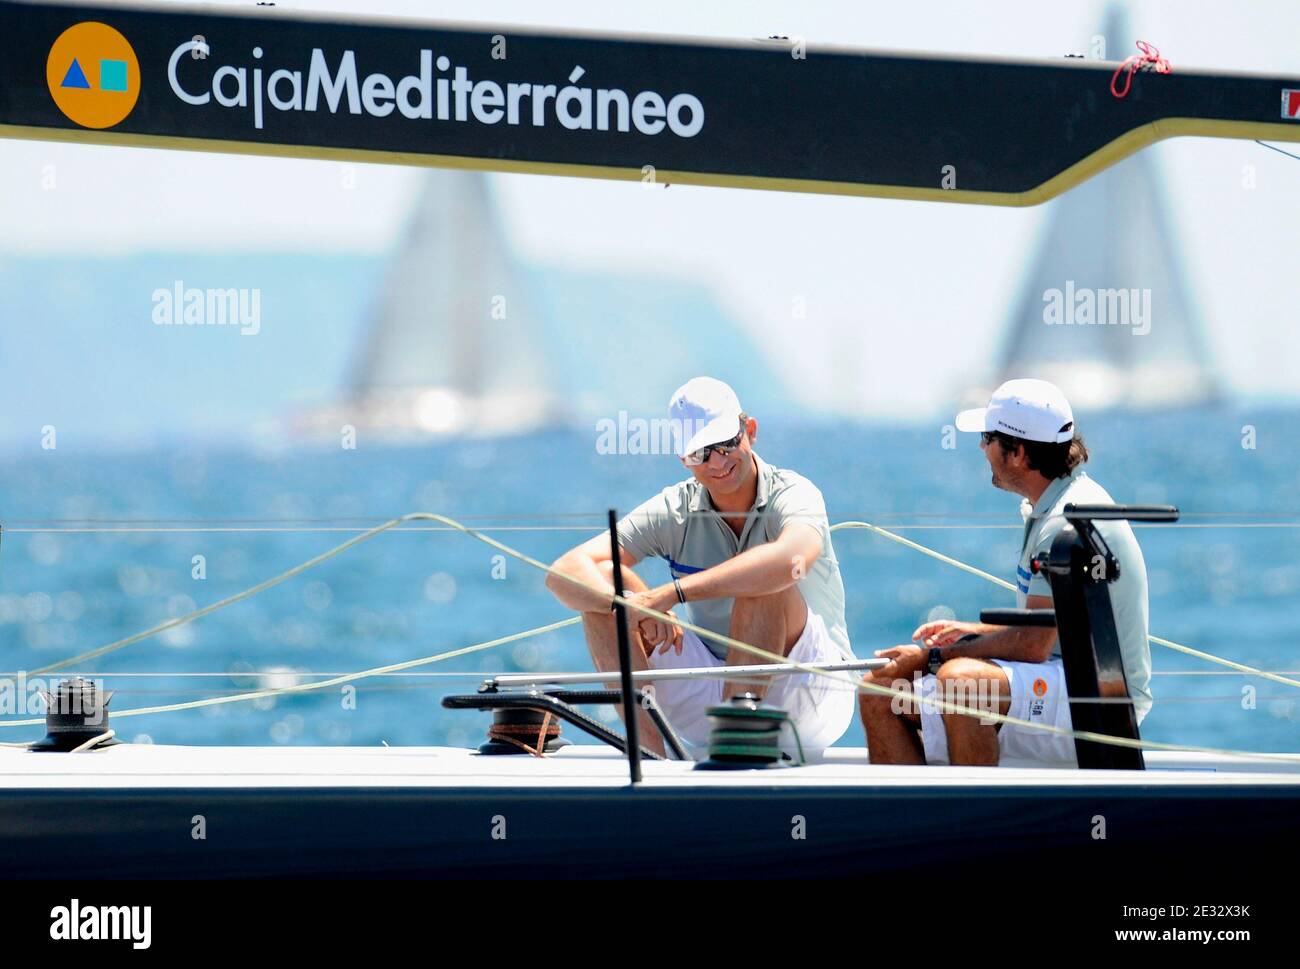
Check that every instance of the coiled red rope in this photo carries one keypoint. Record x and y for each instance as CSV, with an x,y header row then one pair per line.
x,y
1149,59
547,731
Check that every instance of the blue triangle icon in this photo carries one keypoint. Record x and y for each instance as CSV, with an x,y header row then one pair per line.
x,y
75,77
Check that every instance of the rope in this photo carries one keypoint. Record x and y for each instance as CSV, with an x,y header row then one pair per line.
x,y
545,732
897,526
538,677
1231,664
1149,59
246,674
924,550
324,684
190,529
1209,672
93,742
860,683
797,742
1277,149
229,600
1002,583
943,705
1165,701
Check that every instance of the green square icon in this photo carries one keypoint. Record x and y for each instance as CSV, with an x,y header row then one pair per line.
x,y
112,75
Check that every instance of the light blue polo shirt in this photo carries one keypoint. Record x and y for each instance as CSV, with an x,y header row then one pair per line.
x,y
1128,593
681,526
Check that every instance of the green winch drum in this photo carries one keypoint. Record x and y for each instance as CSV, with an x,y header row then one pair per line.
x,y
744,735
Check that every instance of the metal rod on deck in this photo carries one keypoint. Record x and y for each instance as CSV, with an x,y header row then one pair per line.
x,y
692,673
624,656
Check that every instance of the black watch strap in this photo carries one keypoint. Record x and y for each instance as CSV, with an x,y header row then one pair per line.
x,y
933,660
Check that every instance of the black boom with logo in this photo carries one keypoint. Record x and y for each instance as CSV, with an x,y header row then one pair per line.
x,y
763,114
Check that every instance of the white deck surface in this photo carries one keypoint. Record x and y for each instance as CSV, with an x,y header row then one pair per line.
x,y
153,766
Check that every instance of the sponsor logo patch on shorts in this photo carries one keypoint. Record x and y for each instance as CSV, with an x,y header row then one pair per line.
x,y
1038,704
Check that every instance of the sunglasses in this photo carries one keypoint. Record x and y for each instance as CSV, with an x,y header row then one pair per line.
x,y
696,458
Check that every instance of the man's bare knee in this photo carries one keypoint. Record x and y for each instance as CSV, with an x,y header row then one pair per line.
x,y
963,668
876,706
774,602
876,703
977,683
783,613
744,608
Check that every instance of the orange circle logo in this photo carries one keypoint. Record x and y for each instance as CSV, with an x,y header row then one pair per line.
x,y
93,75
1040,687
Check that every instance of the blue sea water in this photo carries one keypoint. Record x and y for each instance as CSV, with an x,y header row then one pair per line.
x,y
1226,580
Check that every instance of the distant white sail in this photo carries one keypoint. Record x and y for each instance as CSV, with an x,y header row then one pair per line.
x,y
457,345
1106,311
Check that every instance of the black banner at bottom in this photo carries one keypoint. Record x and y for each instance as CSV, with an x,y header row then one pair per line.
x,y
959,911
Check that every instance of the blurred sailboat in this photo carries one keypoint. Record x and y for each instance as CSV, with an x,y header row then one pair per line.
x,y
456,346
1106,311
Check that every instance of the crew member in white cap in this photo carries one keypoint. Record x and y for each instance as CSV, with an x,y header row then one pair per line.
x,y
1031,444
749,554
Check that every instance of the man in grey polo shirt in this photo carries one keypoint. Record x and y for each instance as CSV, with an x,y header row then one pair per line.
x,y
1032,447
749,554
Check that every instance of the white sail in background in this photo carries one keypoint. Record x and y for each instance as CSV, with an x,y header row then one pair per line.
x,y
457,344
1124,328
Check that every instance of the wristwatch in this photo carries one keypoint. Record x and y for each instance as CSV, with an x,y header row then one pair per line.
x,y
933,660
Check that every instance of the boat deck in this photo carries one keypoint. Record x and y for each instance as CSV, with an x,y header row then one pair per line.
x,y
128,766
324,812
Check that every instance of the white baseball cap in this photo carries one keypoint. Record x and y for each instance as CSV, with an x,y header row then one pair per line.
x,y
1030,409
703,411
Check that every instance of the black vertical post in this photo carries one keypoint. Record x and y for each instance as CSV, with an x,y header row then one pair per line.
x,y
624,656
1090,653
1079,567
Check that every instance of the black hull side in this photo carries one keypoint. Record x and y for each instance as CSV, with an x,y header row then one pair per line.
x,y
645,833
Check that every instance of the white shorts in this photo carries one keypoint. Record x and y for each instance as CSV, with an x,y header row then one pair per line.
x,y
820,708
1037,695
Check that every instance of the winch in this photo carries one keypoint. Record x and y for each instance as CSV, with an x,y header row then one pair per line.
x,y
76,718
523,730
747,734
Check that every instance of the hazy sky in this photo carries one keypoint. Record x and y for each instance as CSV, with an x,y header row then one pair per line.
x,y
905,300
